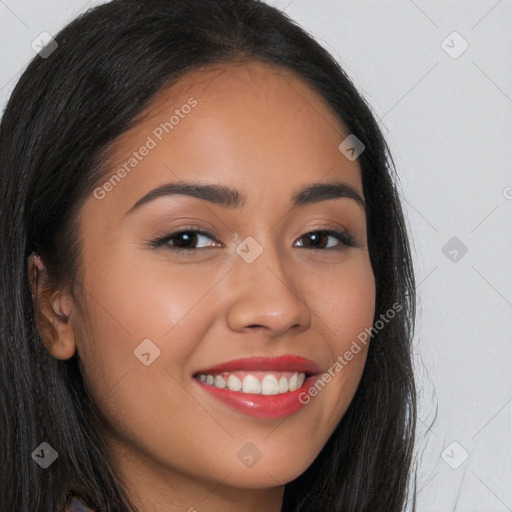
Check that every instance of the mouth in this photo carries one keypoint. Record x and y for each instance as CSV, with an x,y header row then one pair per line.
x,y
255,382
260,386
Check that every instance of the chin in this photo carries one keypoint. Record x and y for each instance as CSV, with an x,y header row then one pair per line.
x,y
279,470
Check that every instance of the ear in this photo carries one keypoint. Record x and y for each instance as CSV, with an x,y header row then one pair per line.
x,y
53,310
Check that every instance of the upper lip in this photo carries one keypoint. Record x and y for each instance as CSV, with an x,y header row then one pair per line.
x,y
279,363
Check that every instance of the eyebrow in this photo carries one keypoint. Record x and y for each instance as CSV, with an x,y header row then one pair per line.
x,y
232,198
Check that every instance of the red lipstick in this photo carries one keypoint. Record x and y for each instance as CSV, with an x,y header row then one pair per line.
x,y
281,363
257,404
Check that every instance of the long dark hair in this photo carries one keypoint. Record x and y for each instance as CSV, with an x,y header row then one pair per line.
x,y
63,116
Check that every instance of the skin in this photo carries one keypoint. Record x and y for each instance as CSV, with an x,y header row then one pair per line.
x,y
263,131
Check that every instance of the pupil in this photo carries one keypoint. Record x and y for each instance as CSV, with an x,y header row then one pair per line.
x,y
186,237
315,238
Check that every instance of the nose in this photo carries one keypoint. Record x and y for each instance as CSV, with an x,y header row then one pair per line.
x,y
266,296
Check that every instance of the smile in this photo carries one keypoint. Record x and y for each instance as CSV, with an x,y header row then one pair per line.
x,y
262,387
263,383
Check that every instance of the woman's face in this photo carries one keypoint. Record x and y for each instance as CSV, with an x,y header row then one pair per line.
x,y
265,282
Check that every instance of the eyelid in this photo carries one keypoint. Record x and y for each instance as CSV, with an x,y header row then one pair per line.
x,y
346,240
162,240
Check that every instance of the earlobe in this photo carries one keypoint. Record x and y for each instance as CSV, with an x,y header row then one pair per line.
x,y
52,310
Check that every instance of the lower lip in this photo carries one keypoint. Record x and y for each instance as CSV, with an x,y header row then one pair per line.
x,y
262,406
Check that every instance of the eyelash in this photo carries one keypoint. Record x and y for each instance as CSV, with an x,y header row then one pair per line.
x,y
345,239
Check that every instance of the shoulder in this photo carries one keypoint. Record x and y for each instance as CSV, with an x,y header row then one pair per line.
x,y
77,503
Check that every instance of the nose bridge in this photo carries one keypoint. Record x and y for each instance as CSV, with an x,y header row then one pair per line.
x,y
259,259
266,294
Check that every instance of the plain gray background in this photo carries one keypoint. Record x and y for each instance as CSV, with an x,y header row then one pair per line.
x,y
446,114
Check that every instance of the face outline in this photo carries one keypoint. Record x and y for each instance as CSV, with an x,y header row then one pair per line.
x,y
263,132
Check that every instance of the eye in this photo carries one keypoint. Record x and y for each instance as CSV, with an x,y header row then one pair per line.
x,y
319,239
187,240
184,240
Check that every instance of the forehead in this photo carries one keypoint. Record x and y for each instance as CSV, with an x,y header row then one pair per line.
x,y
251,125
240,85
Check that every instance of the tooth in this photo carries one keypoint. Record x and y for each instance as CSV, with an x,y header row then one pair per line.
x,y
234,383
220,382
292,383
269,385
251,385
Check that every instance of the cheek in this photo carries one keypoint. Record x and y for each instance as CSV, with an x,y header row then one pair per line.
x,y
129,301
345,302
150,295
137,297
345,305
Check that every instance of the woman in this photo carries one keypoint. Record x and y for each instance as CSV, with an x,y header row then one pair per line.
x,y
267,369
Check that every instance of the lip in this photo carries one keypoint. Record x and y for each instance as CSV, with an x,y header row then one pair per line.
x,y
280,363
262,406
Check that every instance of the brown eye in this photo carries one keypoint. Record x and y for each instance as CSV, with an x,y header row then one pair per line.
x,y
320,239
184,240
187,239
